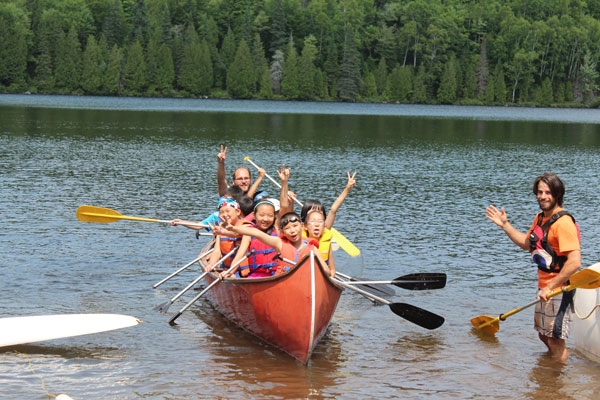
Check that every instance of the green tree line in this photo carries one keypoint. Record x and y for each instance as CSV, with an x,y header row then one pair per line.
x,y
535,52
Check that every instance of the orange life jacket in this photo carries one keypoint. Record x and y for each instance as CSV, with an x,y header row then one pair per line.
x,y
289,252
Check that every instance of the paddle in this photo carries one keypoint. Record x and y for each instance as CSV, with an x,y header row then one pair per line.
x,y
416,281
105,215
183,268
376,290
164,307
416,315
188,305
585,279
340,239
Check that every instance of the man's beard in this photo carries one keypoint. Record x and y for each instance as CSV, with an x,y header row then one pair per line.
x,y
547,208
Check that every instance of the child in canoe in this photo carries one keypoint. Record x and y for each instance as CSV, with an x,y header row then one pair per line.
x,y
289,243
318,224
230,214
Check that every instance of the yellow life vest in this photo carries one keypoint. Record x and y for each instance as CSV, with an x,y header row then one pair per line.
x,y
324,242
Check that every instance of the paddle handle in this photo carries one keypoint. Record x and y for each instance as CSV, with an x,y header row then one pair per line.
x,y
272,180
183,268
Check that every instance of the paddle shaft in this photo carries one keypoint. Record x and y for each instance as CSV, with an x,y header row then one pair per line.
x,y
195,281
381,282
107,215
183,268
189,304
272,180
502,317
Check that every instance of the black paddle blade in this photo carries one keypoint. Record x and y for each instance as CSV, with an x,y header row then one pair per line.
x,y
173,318
163,308
421,281
416,315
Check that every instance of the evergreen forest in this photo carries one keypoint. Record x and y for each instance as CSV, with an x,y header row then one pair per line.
x,y
493,52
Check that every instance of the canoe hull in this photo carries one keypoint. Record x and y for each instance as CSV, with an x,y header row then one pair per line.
x,y
290,311
586,333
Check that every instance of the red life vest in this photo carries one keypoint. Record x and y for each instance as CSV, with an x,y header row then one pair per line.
x,y
261,260
542,253
227,244
289,252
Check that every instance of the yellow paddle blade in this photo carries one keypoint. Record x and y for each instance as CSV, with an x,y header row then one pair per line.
x,y
587,278
344,243
486,323
105,215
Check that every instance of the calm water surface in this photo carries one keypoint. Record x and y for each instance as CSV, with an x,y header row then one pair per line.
x,y
423,185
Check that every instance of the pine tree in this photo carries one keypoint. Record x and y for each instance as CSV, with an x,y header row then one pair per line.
x,y
278,29
349,79
91,75
112,27
241,77
289,84
111,80
135,74
306,72
381,75
545,95
228,49
469,81
482,71
448,86
265,84
206,69
276,71
399,86
44,74
419,94
499,85
369,86
259,61
190,74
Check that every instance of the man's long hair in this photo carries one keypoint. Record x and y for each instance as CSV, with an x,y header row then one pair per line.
x,y
557,188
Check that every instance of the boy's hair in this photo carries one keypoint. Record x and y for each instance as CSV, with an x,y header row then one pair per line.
x,y
286,217
246,205
235,192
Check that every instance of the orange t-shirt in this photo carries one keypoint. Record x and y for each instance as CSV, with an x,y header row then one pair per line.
x,y
562,237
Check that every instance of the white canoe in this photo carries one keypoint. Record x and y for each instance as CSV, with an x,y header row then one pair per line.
x,y
586,332
21,330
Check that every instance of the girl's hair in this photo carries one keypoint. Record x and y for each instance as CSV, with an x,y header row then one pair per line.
x,y
267,202
314,205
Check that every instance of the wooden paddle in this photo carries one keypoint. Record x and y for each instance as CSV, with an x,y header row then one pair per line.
x,y
340,239
105,215
164,307
188,305
416,281
585,279
416,315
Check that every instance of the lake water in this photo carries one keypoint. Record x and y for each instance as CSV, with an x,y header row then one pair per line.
x,y
425,176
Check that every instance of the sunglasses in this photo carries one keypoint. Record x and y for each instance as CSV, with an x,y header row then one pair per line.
x,y
284,223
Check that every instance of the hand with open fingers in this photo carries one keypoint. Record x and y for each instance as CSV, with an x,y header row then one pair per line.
x,y
284,174
496,216
222,155
351,180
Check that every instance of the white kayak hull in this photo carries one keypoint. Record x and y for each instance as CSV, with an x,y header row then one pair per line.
x,y
30,329
586,332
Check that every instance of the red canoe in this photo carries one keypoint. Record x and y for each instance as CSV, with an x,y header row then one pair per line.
x,y
290,311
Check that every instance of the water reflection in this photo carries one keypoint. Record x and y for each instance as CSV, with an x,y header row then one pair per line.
x,y
262,371
547,380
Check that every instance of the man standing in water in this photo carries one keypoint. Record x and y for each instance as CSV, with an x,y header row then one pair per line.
x,y
554,243
241,178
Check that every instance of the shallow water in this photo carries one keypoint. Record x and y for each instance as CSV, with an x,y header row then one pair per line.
x,y
423,185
